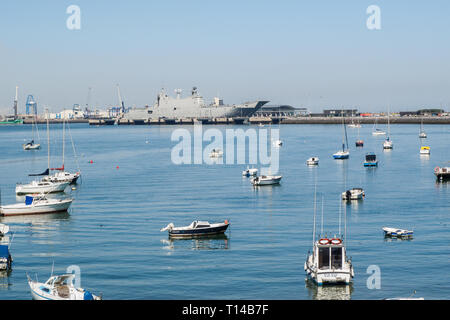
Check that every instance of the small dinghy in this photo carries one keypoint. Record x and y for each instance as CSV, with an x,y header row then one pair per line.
x,y
353,194
41,187
400,233
250,172
196,229
277,143
425,151
216,153
36,205
265,180
313,161
59,288
359,143
4,229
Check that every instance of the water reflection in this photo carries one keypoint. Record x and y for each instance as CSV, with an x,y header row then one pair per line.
x,y
213,242
4,279
394,239
328,292
36,220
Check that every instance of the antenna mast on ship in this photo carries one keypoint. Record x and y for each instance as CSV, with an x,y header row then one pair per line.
x,y
15,103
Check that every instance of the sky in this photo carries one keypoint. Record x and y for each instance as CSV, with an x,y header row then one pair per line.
x,y
314,54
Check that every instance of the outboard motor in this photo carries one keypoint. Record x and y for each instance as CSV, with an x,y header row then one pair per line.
x,y
348,194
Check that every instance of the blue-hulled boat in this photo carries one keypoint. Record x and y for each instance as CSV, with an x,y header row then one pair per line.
x,y
196,229
371,160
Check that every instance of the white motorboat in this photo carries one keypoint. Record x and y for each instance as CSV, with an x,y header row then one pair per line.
x,y
328,262
36,205
353,194
425,150
250,172
265,180
216,153
4,229
395,232
313,161
59,287
196,229
41,187
442,173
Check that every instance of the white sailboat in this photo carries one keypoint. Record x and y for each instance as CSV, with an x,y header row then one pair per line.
x,y
422,133
42,186
353,124
328,262
388,144
376,131
32,145
345,153
61,175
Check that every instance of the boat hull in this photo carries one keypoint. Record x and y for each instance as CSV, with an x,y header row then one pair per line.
x,y
198,232
22,209
370,164
27,189
265,182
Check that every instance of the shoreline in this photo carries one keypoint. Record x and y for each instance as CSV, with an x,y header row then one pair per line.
x,y
252,120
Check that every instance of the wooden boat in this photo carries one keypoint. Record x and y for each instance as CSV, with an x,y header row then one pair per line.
x,y
59,287
36,205
196,229
266,180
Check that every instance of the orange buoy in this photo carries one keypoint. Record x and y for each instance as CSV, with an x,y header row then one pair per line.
x,y
226,221
117,167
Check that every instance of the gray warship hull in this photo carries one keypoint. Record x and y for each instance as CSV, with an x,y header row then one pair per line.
x,y
192,107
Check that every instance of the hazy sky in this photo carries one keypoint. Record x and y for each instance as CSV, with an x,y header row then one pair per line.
x,y
314,54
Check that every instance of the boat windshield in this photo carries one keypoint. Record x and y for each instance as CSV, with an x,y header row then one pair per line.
x,y
324,258
336,258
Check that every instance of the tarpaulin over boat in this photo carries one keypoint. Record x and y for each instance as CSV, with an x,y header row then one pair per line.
x,y
28,200
45,173
4,251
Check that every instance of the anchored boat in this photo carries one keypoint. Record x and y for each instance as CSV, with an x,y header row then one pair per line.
x,y
371,160
196,228
344,154
41,187
442,173
250,172
265,180
36,205
59,288
394,232
425,150
353,194
313,161
216,153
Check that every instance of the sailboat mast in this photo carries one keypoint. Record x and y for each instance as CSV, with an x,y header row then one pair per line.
x,y
64,141
48,141
314,227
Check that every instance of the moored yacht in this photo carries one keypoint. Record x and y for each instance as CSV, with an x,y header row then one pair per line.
x,y
265,180
36,205
196,229
41,187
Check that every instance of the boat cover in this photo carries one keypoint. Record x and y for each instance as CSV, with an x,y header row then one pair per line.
x,y
28,200
45,173
4,251
88,295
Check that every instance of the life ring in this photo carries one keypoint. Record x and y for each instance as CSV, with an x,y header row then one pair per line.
x,y
324,241
336,241
226,221
436,169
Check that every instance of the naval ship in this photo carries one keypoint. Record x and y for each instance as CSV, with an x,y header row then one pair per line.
x,y
193,106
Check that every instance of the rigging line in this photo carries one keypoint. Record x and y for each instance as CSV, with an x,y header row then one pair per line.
x,y
73,147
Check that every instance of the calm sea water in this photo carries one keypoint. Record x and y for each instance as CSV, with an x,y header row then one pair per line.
x,y
132,189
